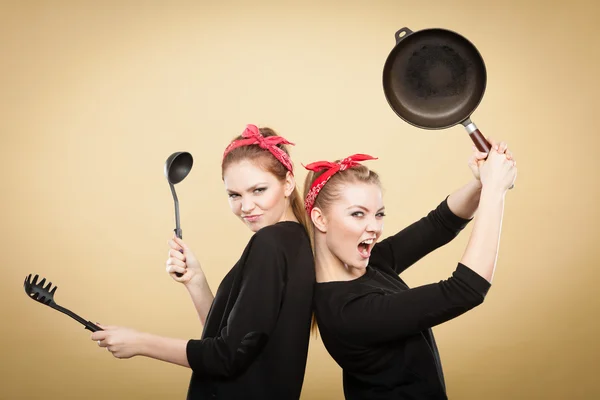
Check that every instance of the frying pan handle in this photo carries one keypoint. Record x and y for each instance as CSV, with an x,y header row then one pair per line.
x,y
402,33
480,141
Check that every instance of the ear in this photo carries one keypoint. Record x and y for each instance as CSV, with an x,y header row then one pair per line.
x,y
289,185
319,219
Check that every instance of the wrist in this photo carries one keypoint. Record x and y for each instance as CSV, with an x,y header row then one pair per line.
x,y
492,192
144,341
196,282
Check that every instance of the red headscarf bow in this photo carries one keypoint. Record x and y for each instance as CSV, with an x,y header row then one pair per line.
x,y
331,168
251,136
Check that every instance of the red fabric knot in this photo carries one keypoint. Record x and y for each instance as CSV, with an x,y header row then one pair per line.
x,y
331,169
252,136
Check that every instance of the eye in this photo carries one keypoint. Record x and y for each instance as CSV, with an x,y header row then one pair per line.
x,y
233,195
380,215
358,214
259,190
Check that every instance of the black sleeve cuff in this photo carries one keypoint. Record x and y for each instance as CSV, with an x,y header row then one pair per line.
x,y
472,279
452,220
192,350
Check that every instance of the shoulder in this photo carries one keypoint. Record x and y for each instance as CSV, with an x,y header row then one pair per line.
x,y
283,235
281,243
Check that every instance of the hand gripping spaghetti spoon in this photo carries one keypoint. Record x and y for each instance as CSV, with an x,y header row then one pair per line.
x,y
44,295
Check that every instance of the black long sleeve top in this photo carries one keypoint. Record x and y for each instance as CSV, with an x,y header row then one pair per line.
x,y
379,330
255,340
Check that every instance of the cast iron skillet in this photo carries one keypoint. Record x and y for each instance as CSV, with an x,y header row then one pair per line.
x,y
435,79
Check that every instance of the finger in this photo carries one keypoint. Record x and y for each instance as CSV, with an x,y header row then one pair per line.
x,y
176,254
181,243
509,154
99,335
107,327
102,343
492,142
496,146
480,155
502,146
174,261
172,269
174,245
472,160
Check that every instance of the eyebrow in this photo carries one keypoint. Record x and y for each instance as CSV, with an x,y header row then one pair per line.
x,y
251,188
365,208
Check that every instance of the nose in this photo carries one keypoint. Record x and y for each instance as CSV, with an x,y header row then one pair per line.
x,y
247,205
374,225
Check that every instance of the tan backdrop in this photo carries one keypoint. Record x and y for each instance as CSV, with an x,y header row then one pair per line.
x,y
95,95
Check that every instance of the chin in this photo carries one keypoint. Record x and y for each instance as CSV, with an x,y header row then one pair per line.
x,y
360,264
256,226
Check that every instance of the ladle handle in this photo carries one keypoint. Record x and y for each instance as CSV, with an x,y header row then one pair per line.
x,y
179,235
480,141
177,229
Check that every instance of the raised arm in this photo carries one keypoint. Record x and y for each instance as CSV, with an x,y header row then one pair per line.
x,y
441,225
412,243
183,261
376,316
465,201
498,173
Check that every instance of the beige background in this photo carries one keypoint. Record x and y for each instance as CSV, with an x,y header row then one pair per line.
x,y
95,95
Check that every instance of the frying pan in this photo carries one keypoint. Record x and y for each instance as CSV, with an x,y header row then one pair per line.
x,y
434,79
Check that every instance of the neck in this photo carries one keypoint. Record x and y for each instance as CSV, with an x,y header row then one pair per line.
x,y
329,268
288,215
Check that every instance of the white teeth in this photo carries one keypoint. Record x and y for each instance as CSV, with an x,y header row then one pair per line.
x,y
368,241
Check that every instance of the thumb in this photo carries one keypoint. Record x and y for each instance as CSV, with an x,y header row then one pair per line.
x,y
106,327
100,335
181,243
480,155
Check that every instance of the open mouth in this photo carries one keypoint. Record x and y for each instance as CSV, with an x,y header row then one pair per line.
x,y
365,247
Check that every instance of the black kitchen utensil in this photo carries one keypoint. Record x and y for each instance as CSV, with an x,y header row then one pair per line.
x,y
45,295
177,167
435,79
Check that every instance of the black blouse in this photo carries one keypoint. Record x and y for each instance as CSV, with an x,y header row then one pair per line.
x,y
378,329
256,336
